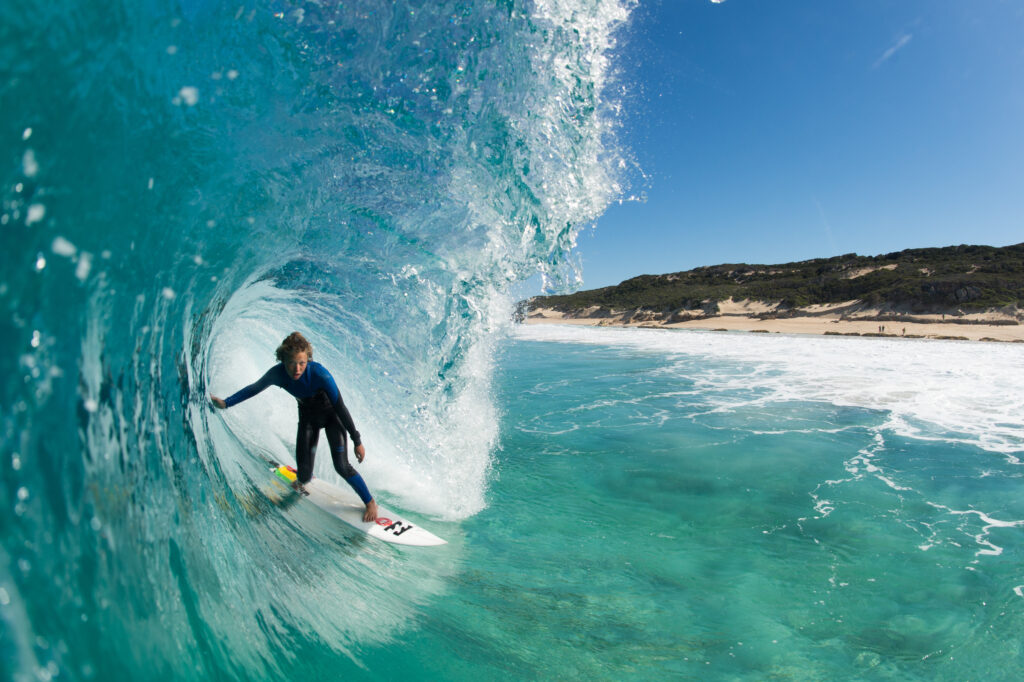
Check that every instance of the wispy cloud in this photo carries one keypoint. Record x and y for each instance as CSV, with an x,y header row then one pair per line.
x,y
899,45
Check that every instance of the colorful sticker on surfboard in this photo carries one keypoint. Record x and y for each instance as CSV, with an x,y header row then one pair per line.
x,y
287,473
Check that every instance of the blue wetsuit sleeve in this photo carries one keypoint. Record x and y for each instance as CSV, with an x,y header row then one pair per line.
x,y
249,391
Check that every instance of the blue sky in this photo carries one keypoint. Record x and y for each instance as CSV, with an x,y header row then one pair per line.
x,y
774,131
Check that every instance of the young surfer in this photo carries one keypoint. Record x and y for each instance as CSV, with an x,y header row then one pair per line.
x,y
320,407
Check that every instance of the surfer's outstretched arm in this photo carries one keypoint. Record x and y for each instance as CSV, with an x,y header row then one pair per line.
x,y
268,379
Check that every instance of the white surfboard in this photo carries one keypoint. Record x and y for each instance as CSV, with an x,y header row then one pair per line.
x,y
389,527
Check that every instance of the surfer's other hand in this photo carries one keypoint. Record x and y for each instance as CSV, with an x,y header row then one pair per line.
x,y
360,453
220,404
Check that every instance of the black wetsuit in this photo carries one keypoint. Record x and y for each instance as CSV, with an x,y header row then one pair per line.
x,y
320,407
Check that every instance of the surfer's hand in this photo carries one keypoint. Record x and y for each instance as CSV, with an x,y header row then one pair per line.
x,y
360,453
220,404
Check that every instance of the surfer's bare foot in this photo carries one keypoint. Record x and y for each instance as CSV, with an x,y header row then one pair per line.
x,y
371,511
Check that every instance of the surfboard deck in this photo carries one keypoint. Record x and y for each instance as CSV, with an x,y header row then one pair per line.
x,y
389,526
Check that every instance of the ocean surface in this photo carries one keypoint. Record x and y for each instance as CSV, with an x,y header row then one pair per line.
x,y
749,506
185,183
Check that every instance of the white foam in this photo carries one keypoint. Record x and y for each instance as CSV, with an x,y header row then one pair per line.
x,y
962,392
982,538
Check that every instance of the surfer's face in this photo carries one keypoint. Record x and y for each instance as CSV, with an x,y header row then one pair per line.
x,y
296,365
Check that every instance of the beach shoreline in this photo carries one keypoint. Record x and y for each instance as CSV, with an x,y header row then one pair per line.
x,y
821,320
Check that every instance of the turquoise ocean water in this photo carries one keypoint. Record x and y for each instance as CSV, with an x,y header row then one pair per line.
x,y
185,183
743,506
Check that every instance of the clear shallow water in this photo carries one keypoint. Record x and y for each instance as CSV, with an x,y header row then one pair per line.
x,y
724,515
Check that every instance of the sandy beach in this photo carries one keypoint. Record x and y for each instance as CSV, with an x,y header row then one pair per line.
x,y
841,319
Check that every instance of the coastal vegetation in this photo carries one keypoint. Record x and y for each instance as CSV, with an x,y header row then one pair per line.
x,y
933,280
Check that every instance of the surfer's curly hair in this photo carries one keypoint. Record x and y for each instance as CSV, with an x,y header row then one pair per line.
x,y
294,343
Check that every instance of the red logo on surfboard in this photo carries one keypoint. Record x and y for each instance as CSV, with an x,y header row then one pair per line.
x,y
382,521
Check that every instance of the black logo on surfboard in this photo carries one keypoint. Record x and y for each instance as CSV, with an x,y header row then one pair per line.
x,y
396,528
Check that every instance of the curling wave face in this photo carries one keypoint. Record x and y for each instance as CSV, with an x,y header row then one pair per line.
x,y
186,184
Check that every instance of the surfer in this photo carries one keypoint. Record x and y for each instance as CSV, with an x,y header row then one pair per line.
x,y
320,407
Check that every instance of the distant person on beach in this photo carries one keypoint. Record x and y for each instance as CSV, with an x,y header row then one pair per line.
x,y
320,407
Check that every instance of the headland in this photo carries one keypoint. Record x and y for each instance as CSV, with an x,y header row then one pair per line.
x,y
971,293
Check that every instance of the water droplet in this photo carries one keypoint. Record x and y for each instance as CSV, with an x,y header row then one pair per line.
x,y
26,134
36,212
84,266
29,165
168,293
189,95
62,247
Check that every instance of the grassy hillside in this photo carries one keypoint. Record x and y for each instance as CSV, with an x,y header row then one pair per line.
x,y
967,278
